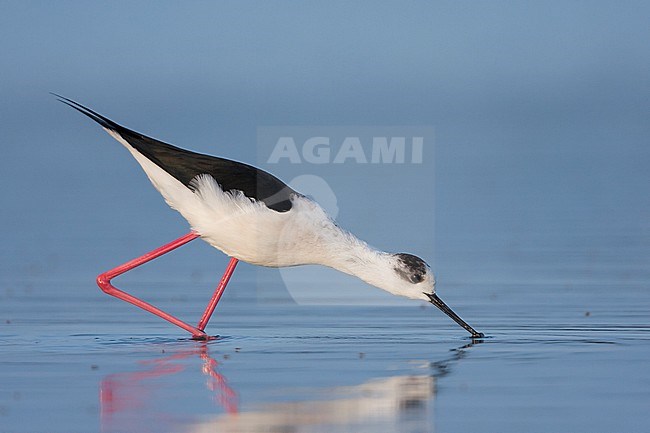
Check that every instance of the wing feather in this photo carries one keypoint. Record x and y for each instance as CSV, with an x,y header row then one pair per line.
x,y
186,165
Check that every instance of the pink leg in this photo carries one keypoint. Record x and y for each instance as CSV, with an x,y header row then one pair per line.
x,y
104,282
217,294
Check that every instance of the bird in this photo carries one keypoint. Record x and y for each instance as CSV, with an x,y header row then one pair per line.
x,y
252,216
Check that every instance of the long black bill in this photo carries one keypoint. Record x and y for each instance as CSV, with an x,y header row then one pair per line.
x,y
435,300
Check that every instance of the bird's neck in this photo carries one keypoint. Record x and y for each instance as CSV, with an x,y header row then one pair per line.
x,y
349,254
323,242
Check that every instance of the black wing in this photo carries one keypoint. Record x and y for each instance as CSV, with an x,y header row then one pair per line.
x,y
185,165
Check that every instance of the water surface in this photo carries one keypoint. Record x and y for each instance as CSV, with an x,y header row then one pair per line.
x,y
561,354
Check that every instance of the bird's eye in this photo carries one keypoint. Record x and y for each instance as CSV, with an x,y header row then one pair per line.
x,y
417,278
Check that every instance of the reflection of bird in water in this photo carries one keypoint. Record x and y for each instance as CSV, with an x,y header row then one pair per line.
x,y
123,396
397,403
253,216
369,407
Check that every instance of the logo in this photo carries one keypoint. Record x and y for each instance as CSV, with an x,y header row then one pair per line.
x,y
375,181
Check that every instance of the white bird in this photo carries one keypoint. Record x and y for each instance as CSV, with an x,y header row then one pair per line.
x,y
251,215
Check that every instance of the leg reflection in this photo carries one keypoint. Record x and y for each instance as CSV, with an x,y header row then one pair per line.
x,y
127,399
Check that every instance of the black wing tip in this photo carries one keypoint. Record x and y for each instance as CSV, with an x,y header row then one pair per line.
x,y
103,121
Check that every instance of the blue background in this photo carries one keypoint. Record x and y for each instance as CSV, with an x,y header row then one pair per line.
x,y
537,206
540,112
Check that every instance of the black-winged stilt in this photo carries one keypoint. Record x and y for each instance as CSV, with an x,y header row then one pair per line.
x,y
251,215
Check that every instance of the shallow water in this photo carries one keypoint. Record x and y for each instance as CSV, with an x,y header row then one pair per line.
x,y
561,353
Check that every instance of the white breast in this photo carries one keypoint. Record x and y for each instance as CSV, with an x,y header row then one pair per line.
x,y
249,231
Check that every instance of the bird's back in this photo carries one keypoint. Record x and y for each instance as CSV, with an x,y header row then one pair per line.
x,y
185,165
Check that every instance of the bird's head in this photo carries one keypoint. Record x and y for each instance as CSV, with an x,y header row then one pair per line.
x,y
415,280
412,277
